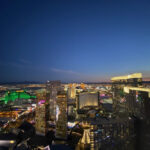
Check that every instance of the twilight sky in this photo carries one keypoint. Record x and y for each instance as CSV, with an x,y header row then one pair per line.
x,y
73,40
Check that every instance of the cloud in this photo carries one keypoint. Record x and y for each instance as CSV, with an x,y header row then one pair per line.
x,y
65,71
77,76
19,64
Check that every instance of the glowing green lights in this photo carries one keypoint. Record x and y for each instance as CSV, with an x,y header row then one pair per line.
x,y
13,95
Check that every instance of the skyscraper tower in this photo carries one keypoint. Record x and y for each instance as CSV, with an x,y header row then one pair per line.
x,y
119,96
52,87
72,91
132,99
61,115
41,117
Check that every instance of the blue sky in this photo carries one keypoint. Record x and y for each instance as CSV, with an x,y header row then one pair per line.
x,y
73,40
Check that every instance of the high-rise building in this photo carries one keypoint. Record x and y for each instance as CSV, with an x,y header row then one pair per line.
x,y
133,100
52,87
138,101
72,91
119,96
41,117
61,115
138,104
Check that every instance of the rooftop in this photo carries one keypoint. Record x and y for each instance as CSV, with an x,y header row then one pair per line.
x,y
131,76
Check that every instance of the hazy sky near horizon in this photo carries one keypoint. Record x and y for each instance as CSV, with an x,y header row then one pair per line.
x,y
73,40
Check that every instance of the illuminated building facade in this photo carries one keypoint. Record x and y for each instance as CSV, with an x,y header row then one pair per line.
x,y
11,96
82,85
52,88
61,115
40,120
86,137
41,115
72,91
87,99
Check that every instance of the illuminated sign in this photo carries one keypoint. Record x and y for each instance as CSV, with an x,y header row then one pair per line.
x,y
102,95
41,102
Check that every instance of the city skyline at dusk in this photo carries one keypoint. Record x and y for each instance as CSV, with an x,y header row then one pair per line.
x,y
74,75
73,40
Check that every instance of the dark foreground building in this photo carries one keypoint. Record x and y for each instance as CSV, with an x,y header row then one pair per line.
x,y
131,100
